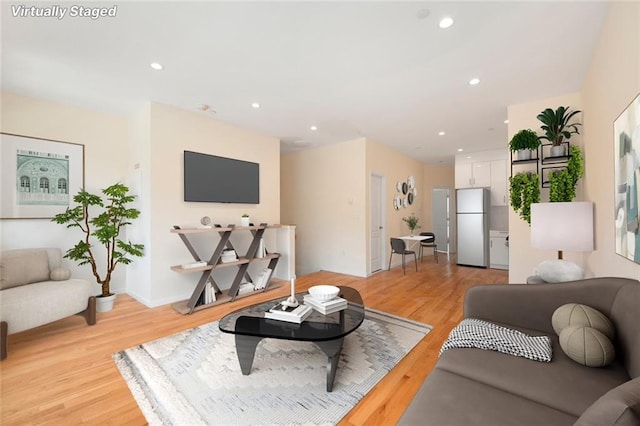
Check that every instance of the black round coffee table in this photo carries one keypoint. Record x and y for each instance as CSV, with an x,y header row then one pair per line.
x,y
327,331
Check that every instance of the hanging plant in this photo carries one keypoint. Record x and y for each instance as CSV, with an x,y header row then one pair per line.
x,y
563,183
524,190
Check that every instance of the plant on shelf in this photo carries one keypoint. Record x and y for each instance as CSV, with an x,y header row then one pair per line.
x,y
556,127
524,142
244,220
524,190
104,227
563,183
412,222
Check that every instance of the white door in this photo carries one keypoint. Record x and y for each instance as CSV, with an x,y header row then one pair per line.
x,y
441,218
377,216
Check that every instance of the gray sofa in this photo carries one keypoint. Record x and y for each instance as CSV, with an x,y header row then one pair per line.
x,y
36,290
481,387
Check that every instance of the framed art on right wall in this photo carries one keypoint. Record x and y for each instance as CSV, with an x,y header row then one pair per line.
x,y
626,130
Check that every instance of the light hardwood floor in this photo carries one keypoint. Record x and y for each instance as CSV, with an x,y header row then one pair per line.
x,y
63,373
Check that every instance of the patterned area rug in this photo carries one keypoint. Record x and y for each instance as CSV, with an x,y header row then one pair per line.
x,y
194,377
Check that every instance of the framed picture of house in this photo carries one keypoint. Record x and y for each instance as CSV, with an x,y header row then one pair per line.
x,y
627,181
39,176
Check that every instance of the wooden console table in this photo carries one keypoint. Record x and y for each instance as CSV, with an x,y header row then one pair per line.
x,y
214,262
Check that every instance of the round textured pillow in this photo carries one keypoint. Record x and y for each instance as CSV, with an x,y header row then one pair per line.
x,y
587,346
556,271
573,314
60,274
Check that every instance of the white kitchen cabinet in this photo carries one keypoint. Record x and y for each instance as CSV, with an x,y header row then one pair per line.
x,y
499,183
499,249
473,175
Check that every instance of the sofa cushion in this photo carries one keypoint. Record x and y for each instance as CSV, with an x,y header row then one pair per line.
x,y
23,266
446,398
575,314
624,314
561,384
60,274
587,346
30,306
620,406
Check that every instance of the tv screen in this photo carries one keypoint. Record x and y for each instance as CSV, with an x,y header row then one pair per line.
x,y
209,178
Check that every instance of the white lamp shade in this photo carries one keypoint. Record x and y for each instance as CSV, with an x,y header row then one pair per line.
x,y
562,226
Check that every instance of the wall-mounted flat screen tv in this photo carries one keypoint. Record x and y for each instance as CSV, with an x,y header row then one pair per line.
x,y
209,178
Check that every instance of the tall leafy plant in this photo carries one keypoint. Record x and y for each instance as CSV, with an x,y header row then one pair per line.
x,y
105,227
556,126
563,183
524,190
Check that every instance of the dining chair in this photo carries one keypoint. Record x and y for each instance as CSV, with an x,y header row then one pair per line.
x,y
398,246
429,243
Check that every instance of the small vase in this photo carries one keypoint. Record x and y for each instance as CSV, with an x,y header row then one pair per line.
x,y
244,221
558,151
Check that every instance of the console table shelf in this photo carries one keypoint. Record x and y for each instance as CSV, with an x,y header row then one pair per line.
x,y
214,262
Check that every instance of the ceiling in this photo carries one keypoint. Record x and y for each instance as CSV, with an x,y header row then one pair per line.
x,y
381,70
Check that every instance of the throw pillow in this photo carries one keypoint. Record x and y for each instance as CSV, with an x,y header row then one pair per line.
x,y
587,346
616,407
573,314
555,271
60,274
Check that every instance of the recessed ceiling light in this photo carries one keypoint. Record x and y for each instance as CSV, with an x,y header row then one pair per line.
x,y
460,149
314,128
469,157
506,121
474,81
156,66
255,105
440,133
445,22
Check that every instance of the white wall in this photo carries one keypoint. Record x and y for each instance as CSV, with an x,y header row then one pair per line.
x,y
324,194
612,83
171,131
105,139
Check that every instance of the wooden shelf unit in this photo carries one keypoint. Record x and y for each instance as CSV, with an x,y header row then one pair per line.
x,y
223,296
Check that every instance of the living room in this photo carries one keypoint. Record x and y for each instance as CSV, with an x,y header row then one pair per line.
x,y
144,150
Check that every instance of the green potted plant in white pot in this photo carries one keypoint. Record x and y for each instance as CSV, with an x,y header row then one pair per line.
x,y
557,129
412,223
105,228
244,220
523,142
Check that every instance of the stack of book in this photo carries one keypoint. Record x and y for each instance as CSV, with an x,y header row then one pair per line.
x,y
263,279
289,314
328,307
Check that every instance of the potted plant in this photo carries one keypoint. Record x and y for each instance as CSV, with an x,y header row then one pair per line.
x,y
244,220
412,223
563,183
104,227
524,190
557,128
523,142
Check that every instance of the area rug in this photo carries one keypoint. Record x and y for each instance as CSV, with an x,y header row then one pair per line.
x,y
194,377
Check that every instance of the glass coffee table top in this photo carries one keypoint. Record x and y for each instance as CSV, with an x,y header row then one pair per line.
x,y
250,321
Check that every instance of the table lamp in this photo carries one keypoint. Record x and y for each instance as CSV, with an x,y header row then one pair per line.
x,y
562,226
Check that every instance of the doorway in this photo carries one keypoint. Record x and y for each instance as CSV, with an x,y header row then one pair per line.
x,y
442,219
377,218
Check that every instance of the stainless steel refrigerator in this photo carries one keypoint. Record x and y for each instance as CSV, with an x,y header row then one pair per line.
x,y
472,215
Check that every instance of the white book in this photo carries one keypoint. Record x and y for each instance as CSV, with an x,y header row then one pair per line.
x,y
327,304
323,309
295,315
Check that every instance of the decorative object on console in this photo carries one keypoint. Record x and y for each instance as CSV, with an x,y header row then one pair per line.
x,y
627,181
557,129
562,226
205,221
523,143
324,293
244,220
524,190
37,175
105,227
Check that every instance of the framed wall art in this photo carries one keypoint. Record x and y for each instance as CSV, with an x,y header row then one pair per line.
x,y
39,176
626,130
